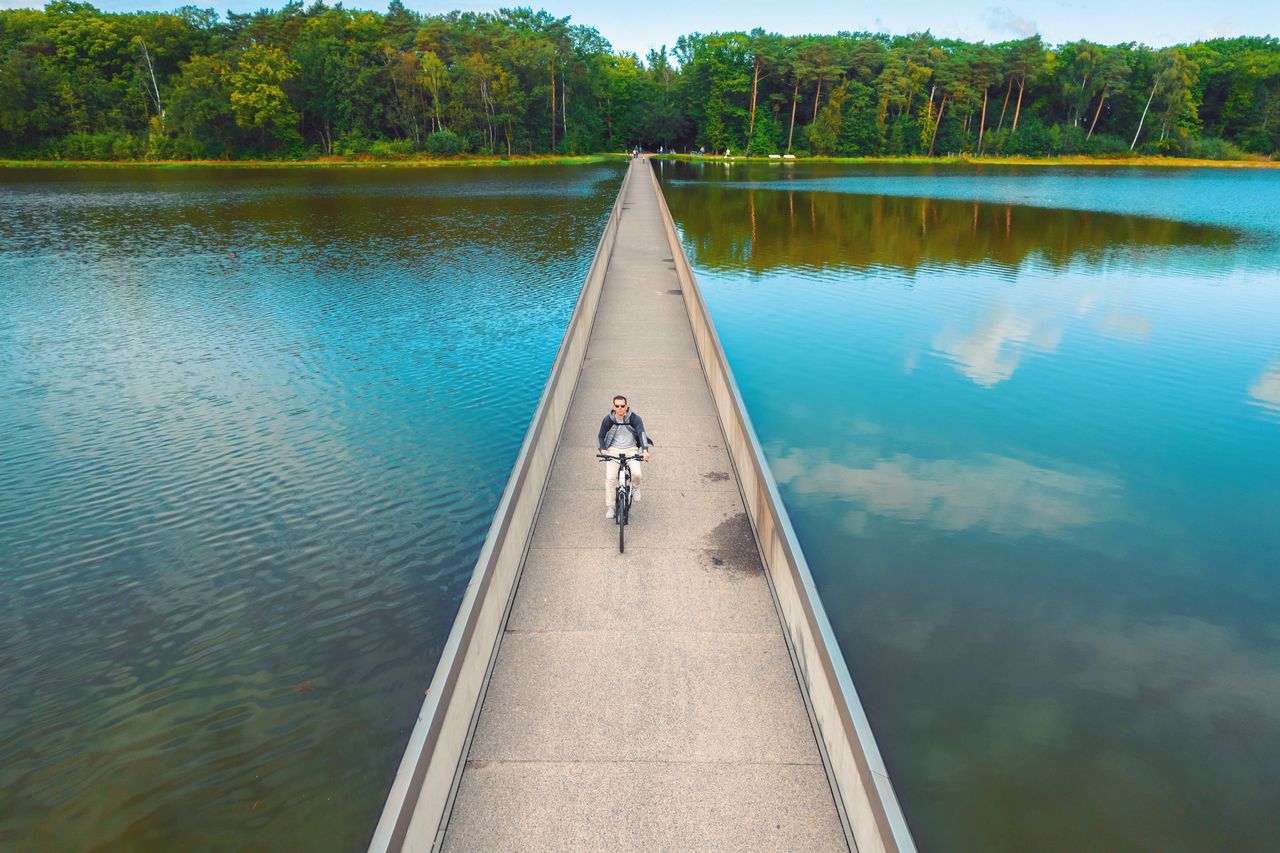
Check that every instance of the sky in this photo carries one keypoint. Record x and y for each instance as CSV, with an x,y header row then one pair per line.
x,y
637,27
640,26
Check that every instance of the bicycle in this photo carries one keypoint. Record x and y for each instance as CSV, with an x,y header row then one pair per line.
x,y
622,500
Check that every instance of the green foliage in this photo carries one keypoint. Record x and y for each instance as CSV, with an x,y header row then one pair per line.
x,y
109,145
1103,145
445,143
200,108
351,143
391,149
1211,148
716,78
859,135
327,79
952,138
766,136
903,137
258,99
824,134
1032,139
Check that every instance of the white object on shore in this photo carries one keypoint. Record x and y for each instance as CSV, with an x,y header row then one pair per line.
x,y
775,156
788,156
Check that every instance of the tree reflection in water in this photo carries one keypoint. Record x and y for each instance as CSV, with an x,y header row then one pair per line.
x,y
760,230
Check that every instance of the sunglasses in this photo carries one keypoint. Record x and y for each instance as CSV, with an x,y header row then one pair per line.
x,y
616,406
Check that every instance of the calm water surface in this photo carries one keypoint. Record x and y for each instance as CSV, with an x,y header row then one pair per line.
x,y
253,427
1027,425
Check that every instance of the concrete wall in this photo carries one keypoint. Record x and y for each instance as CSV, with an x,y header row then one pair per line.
x,y
874,820
412,818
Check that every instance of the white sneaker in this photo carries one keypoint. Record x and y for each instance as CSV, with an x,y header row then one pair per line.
x,y
635,495
608,513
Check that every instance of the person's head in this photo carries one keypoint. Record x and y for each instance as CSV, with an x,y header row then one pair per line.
x,y
620,406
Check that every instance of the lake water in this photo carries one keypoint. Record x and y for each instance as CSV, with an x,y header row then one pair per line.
x,y
1026,422
253,427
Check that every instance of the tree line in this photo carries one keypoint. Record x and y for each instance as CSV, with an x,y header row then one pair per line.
x,y
299,82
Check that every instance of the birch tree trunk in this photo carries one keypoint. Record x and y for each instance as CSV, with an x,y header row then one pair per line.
x,y
941,106
154,88
490,112
751,122
1007,93
982,122
1144,117
1022,85
791,132
1097,113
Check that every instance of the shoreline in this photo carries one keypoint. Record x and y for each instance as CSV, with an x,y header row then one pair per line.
x,y
1140,160
320,163
583,159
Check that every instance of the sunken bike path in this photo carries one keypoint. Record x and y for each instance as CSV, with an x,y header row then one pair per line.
x,y
646,700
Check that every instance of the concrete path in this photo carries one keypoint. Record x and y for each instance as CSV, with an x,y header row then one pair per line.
x,y
644,701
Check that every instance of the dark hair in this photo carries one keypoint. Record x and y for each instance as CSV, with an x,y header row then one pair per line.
x,y
617,397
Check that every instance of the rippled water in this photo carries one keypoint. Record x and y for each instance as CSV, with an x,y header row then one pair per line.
x,y
253,426
1027,425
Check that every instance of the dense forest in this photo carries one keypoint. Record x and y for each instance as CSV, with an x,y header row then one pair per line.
x,y
303,82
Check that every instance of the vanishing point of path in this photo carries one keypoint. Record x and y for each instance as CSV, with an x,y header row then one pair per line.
x,y
646,700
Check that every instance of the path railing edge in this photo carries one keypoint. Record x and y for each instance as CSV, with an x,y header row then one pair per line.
x,y
874,816
417,804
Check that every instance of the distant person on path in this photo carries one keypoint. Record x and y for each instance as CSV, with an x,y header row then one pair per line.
x,y
621,432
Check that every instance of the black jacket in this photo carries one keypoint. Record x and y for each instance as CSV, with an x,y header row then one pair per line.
x,y
632,422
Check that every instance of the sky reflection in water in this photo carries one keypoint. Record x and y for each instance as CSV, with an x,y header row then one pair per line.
x,y
248,461
1032,456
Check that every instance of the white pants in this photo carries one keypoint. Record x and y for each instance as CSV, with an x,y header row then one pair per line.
x,y
611,473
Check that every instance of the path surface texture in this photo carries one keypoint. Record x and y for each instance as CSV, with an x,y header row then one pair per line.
x,y
646,700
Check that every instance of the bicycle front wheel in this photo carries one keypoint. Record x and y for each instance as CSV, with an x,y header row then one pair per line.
x,y
620,516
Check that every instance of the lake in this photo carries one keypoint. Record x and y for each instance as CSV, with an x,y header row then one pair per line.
x,y
253,428
1026,422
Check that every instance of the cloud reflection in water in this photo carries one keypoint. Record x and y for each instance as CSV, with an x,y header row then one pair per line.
x,y
1000,494
1056,593
1265,391
992,351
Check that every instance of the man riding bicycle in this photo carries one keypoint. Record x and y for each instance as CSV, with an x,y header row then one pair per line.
x,y
621,433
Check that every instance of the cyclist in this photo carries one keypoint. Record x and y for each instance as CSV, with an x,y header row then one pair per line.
x,y
621,432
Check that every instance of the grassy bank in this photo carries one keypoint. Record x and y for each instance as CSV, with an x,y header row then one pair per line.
x,y
1136,160
320,163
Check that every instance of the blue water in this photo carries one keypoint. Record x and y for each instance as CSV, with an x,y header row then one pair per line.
x,y
1038,482
253,427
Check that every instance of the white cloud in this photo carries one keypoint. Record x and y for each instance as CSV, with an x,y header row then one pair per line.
x,y
1219,29
1002,21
